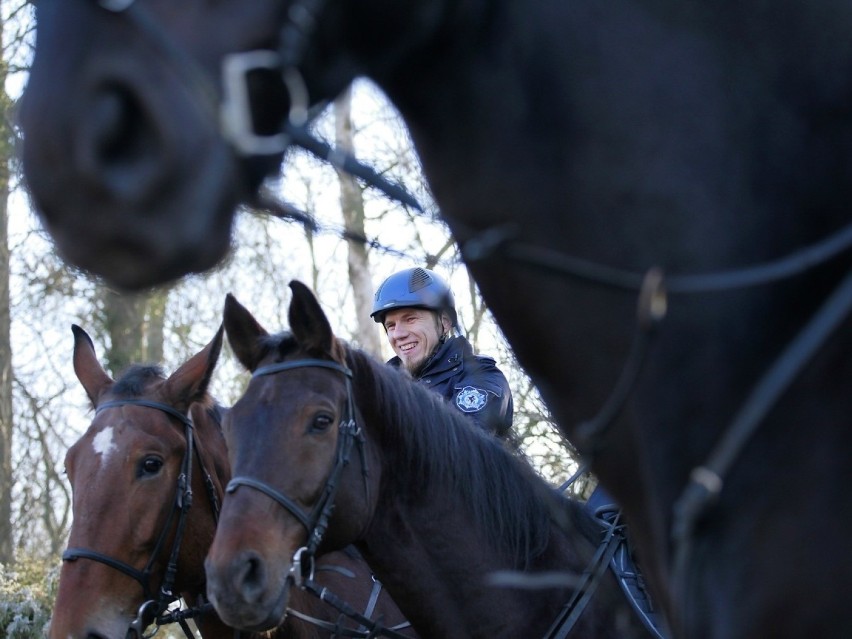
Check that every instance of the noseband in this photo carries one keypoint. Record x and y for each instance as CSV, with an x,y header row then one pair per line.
x,y
156,605
315,522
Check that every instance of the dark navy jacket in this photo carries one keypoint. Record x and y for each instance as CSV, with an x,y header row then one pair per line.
x,y
471,383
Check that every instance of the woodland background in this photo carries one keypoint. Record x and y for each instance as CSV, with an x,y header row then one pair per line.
x,y
43,409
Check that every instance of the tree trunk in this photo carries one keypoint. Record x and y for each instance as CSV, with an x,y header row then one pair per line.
x,y
156,326
135,325
6,420
124,319
352,205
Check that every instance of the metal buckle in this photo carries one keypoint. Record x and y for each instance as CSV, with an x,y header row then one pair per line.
x,y
137,626
297,569
235,112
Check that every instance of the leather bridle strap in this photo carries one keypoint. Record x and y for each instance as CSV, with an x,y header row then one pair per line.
x,y
273,494
501,242
153,607
231,115
138,401
375,628
592,577
316,522
707,480
141,576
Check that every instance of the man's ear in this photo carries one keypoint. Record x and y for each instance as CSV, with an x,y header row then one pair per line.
x,y
447,323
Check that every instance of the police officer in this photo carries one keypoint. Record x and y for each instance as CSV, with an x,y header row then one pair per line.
x,y
417,310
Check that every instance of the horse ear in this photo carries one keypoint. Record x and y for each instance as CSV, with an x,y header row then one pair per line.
x,y
308,322
244,333
189,382
87,367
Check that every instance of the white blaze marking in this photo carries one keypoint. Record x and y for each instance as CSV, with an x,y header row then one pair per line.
x,y
103,444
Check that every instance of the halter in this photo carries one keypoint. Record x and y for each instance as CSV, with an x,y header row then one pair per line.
x,y
155,605
315,522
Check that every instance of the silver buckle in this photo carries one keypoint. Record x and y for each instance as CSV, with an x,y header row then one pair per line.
x,y
235,112
296,571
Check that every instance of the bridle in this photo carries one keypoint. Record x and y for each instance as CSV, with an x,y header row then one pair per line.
x,y
233,118
706,480
156,604
316,521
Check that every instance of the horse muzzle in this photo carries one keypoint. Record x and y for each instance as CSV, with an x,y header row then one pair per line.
x,y
247,592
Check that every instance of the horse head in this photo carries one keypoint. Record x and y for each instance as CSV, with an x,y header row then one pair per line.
x,y
130,499
154,121
296,453
122,115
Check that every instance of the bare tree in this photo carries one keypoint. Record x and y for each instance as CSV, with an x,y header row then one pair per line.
x,y
7,146
352,206
6,415
135,325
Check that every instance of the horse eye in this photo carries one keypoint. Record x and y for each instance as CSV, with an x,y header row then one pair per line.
x,y
150,466
322,422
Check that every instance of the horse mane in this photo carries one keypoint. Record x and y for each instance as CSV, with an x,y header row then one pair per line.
x,y
428,443
431,443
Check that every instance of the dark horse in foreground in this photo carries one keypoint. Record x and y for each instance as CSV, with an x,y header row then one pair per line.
x,y
141,532
558,138
436,506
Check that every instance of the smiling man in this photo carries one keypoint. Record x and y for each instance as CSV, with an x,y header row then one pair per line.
x,y
418,311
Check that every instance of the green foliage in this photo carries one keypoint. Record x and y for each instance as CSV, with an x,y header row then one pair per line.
x,y
27,590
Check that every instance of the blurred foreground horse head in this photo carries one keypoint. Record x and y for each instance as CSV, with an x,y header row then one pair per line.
x,y
572,148
122,113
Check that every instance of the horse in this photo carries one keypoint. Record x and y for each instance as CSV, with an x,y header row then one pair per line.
x,y
436,506
574,149
135,544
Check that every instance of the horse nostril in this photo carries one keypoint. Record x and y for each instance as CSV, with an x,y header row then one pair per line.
x,y
119,143
251,577
119,136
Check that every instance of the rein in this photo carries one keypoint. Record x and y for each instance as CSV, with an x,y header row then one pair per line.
x,y
706,480
155,607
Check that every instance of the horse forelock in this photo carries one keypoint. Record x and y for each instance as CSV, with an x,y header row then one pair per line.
x,y
428,445
282,344
136,379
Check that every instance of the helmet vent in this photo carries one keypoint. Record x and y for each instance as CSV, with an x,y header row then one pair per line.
x,y
420,278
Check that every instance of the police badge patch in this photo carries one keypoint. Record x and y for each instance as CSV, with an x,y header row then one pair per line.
x,y
471,400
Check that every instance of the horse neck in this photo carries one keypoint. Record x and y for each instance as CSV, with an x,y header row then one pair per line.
x,y
434,535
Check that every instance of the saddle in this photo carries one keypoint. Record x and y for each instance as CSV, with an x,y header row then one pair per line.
x,y
623,565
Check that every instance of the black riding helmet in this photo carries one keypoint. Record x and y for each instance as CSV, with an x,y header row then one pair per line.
x,y
414,287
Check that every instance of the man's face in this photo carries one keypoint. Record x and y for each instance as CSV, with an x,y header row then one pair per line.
x,y
413,333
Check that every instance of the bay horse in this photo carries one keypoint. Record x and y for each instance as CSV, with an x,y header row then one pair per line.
x,y
572,148
436,506
141,532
